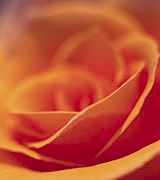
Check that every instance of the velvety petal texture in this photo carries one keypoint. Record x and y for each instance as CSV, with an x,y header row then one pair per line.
x,y
76,94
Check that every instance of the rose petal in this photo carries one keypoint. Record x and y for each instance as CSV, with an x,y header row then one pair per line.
x,y
7,142
39,125
145,11
87,125
67,133
144,130
151,61
58,90
135,165
86,15
49,29
148,87
133,46
46,32
93,50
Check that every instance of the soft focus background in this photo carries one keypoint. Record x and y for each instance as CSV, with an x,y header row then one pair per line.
x,y
13,14
147,13
14,17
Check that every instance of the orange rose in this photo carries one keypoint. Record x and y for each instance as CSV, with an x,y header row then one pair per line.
x,y
147,13
74,94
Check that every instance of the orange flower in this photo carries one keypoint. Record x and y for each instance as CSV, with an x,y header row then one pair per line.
x,y
74,94
147,13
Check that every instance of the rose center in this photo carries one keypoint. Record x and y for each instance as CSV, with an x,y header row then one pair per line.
x,y
77,89
65,88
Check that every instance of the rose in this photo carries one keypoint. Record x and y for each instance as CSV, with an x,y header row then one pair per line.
x,y
84,131
97,172
147,13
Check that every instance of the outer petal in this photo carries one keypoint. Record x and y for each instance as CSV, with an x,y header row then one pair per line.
x,y
136,165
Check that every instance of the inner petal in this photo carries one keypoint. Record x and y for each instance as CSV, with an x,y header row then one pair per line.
x,y
67,88
93,50
77,88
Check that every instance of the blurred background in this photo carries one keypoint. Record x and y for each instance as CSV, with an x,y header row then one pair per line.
x,y
14,16
14,19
